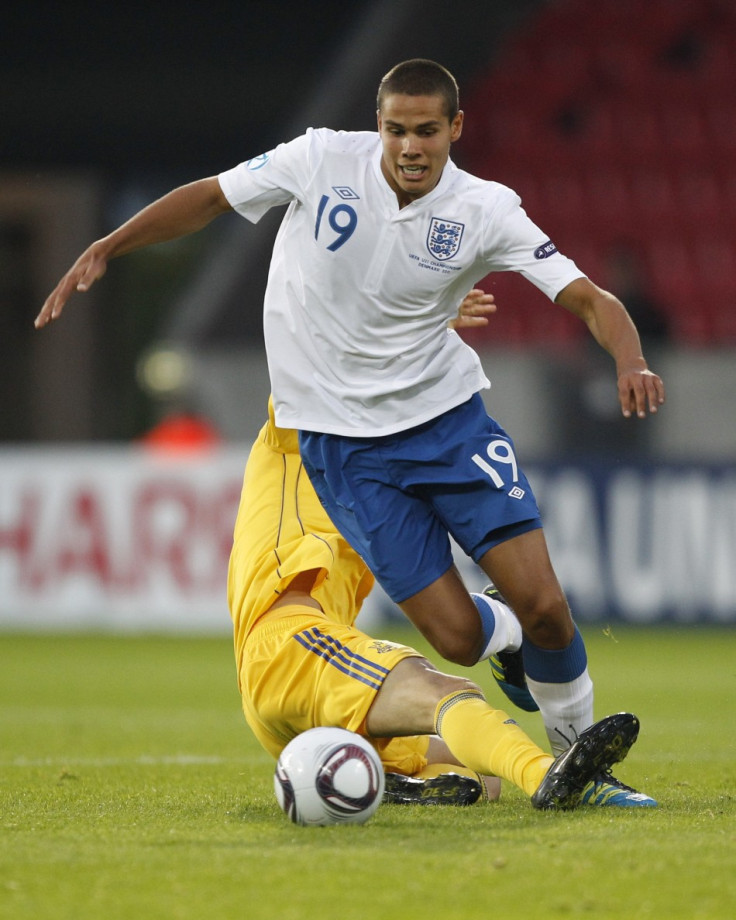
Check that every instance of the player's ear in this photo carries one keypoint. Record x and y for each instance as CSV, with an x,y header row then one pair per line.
x,y
456,126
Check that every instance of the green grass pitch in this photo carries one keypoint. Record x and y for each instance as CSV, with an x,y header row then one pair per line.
x,y
130,787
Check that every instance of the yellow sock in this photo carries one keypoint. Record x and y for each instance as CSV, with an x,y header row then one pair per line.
x,y
488,741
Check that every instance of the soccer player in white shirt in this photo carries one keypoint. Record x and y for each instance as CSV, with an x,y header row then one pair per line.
x,y
382,236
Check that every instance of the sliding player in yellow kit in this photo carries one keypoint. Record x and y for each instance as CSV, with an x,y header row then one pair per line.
x,y
295,587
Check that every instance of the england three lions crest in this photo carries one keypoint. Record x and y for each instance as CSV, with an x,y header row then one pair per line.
x,y
443,239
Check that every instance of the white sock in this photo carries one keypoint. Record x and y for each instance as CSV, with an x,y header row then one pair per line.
x,y
566,709
501,629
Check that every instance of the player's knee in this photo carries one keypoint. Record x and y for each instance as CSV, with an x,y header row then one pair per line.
x,y
452,683
458,650
462,645
547,621
445,685
407,701
430,683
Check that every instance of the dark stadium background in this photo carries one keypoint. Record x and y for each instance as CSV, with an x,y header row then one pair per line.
x,y
130,99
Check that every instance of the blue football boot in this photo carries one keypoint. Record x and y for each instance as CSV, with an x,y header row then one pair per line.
x,y
508,668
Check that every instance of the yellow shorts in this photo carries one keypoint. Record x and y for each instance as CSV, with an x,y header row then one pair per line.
x,y
300,669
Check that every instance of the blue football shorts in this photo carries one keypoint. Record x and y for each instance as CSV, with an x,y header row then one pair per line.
x,y
396,498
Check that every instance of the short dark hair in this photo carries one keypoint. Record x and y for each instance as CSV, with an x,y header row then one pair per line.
x,y
420,77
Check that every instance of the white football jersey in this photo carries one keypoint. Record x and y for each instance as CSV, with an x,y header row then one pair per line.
x,y
360,291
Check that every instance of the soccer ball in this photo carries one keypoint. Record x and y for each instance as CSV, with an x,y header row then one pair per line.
x,y
329,776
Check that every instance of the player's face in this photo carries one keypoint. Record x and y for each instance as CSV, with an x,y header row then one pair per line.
x,y
416,135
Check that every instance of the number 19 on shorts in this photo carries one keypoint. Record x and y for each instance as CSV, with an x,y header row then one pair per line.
x,y
501,453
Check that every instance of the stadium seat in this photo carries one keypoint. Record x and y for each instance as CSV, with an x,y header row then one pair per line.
x,y
654,199
673,270
702,197
715,75
683,133
629,131
609,200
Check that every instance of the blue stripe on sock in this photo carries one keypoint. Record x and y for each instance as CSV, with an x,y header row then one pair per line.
x,y
555,666
487,617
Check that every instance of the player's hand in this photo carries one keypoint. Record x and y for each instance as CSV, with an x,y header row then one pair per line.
x,y
88,268
474,311
638,391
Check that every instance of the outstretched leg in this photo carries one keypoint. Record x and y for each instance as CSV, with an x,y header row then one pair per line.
x,y
465,631
489,742
554,655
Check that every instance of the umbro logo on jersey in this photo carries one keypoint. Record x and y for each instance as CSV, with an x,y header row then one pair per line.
x,y
443,239
345,192
516,492
545,250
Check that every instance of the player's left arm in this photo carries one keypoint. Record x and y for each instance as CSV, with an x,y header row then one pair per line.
x,y
639,388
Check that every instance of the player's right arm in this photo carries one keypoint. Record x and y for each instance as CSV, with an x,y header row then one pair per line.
x,y
182,211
